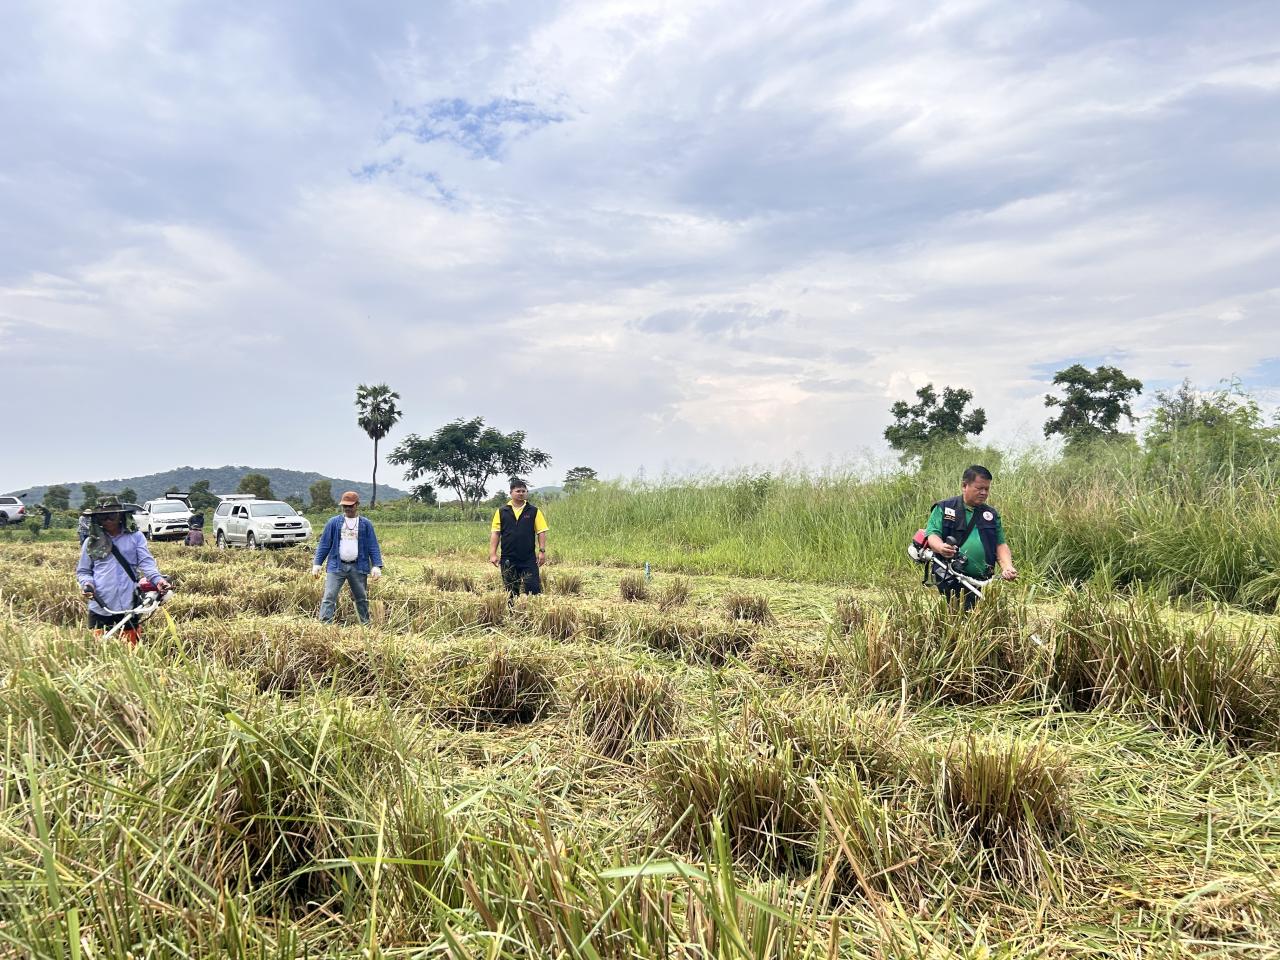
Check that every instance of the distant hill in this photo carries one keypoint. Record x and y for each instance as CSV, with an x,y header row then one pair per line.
x,y
284,483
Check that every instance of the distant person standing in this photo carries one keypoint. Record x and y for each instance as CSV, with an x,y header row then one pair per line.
x,y
520,529
349,551
82,527
46,513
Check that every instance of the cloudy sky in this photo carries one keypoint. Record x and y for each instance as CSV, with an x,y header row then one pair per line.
x,y
654,235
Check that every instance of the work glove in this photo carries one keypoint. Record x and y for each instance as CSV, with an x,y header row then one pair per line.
x,y
315,569
375,573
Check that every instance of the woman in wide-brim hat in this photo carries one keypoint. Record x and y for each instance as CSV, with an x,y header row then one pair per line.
x,y
104,580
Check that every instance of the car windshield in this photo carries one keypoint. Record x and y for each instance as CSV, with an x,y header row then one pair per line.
x,y
169,506
273,508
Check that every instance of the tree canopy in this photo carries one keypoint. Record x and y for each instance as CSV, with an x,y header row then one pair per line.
x,y
58,497
1217,430
201,499
321,493
376,413
256,484
933,420
89,494
578,477
423,493
465,455
1092,404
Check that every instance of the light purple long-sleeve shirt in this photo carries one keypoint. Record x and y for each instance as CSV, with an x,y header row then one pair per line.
x,y
112,586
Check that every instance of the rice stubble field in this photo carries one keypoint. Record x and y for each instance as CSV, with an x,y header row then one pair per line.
x,y
694,765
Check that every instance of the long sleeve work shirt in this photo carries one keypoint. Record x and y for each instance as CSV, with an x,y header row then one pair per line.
x,y
111,585
370,554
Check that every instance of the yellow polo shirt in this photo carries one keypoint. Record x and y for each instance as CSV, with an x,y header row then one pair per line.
x,y
539,522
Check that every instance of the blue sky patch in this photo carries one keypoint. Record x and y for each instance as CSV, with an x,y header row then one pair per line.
x,y
483,130
1045,369
1264,373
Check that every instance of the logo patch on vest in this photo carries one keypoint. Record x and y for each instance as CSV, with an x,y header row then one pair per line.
x,y
988,515
949,511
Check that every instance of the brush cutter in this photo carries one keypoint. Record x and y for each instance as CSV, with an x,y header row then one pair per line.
x,y
149,600
944,570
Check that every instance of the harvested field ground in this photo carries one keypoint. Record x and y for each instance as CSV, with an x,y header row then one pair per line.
x,y
710,766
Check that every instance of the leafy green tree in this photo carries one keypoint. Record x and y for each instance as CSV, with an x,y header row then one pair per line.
x,y
579,477
257,484
1092,405
202,501
465,455
933,421
89,494
1199,433
296,502
57,497
321,493
377,413
424,493
128,495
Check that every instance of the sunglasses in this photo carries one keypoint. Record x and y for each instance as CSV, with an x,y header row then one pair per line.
x,y
350,506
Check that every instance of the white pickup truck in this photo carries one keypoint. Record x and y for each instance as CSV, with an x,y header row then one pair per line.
x,y
242,520
11,511
167,517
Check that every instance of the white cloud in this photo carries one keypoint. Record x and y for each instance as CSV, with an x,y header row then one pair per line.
x,y
649,233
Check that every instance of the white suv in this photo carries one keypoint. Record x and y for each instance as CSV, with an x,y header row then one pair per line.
x,y
170,516
11,511
258,524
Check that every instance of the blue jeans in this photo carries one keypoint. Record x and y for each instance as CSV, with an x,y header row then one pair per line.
x,y
346,573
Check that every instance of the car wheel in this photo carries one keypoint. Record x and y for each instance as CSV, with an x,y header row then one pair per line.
x,y
250,542
222,540
4,519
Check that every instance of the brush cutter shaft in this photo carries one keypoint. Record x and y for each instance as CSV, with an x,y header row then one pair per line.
x,y
970,584
945,570
140,614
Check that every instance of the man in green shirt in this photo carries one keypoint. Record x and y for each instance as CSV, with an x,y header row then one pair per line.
x,y
975,525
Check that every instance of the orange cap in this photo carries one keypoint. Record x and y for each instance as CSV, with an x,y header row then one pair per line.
x,y
350,497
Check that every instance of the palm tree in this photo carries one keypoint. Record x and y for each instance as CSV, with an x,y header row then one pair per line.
x,y
377,414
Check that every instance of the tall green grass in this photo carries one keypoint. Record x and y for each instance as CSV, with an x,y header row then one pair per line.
x,y
1109,518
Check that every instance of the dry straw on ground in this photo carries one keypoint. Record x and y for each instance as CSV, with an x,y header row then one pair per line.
x,y
582,775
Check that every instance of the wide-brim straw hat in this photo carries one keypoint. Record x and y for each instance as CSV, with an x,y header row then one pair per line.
x,y
109,505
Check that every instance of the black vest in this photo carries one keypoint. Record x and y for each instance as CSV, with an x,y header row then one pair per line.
x,y
516,535
955,524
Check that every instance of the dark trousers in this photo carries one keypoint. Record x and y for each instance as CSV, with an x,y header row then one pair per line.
x,y
949,589
521,576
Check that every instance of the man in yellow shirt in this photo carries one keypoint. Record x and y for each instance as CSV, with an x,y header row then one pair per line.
x,y
516,527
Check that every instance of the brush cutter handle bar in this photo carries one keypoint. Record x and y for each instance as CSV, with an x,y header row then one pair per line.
x,y
151,601
944,570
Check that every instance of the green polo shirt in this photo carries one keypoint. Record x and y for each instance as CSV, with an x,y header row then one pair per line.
x,y
975,558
